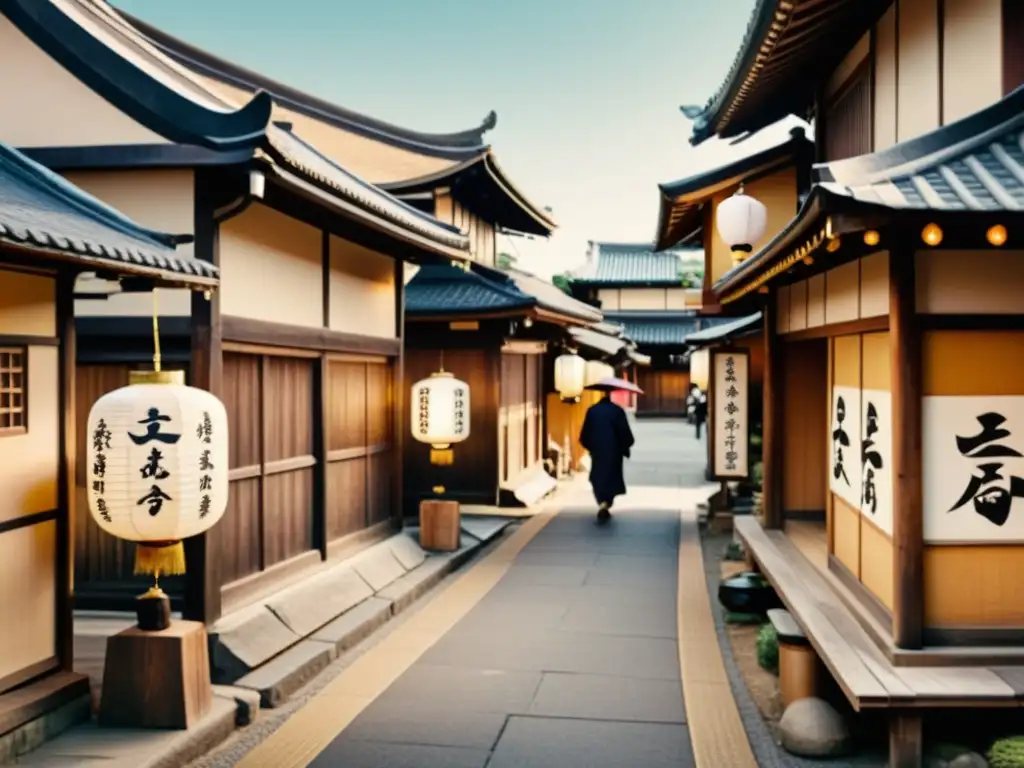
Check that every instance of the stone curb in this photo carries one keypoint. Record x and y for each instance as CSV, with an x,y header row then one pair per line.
x,y
280,677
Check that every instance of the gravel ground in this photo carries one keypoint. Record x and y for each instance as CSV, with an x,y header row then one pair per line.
x,y
768,753
244,740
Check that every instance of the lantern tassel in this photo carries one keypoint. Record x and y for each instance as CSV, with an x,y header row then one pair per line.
x,y
168,559
442,457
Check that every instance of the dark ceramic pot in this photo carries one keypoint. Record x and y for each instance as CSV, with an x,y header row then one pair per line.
x,y
747,593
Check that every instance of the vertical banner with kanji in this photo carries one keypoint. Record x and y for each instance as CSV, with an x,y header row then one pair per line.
x,y
730,425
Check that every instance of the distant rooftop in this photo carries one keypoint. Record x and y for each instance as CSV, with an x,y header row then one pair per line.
x,y
638,264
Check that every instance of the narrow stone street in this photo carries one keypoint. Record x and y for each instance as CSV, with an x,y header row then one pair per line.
x,y
563,653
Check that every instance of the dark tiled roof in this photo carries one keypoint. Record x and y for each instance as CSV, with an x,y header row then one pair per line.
x,y
657,328
718,329
44,212
440,289
789,48
975,165
634,264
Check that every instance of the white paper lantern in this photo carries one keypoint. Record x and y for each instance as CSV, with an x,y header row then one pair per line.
x,y
699,368
741,221
569,376
157,466
595,371
440,414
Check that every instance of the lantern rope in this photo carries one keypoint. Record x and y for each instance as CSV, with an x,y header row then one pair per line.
x,y
156,332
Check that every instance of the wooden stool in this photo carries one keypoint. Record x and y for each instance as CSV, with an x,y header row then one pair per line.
x,y
799,667
440,523
156,679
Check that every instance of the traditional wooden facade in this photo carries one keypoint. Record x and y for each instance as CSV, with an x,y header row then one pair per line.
x,y
491,328
50,232
655,297
304,343
892,319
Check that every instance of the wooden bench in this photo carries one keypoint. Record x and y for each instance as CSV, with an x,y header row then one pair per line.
x,y
862,670
798,661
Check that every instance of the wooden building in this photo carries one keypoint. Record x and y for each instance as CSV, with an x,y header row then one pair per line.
x,y
892,334
50,232
655,297
453,176
492,329
304,342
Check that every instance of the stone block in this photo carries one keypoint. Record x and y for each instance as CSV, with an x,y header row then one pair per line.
x,y
812,728
409,588
407,551
351,628
244,640
281,677
378,566
314,602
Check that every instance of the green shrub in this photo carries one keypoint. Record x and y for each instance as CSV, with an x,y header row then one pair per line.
x,y
1007,753
768,649
757,475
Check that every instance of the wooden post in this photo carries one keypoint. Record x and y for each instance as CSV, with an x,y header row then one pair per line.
x,y
203,578
908,527
320,415
398,404
906,743
65,579
772,454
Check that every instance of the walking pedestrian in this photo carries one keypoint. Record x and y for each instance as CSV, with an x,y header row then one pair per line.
x,y
700,411
607,437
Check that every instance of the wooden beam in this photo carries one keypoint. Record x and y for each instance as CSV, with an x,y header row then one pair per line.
x,y
772,446
908,526
398,401
265,333
65,577
321,446
906,741
202,555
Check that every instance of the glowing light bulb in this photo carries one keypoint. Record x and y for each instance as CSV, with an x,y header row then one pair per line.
x,y
932,234
871,238
996,235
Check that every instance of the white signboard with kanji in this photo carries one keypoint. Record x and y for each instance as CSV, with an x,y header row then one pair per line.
x,y
730,433
844,474
972,464
875,456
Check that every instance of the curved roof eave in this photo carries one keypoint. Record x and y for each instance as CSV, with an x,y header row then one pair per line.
x,y
535,221
456,145
131,90
698,187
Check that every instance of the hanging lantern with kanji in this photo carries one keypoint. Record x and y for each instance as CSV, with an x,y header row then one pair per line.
x,y
570,370
157,466
440,414
741,222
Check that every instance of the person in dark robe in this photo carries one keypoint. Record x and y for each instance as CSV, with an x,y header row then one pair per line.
x,y
607,437
700,411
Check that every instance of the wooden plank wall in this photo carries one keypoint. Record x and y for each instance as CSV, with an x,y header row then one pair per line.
x,y
665,392
521,446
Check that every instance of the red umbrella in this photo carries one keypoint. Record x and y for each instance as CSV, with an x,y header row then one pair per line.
x,y
610,384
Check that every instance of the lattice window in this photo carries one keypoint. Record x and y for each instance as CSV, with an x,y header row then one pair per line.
x,y
13,390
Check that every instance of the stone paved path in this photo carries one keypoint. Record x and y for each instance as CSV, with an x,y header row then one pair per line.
x,y
570,660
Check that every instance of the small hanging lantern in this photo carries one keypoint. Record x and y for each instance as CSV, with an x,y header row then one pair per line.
x,y
699,369
595,371
157,463
741,221
569,377
440,414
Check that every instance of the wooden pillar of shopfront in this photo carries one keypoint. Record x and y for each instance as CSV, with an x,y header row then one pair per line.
x,y
908,527
771,420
